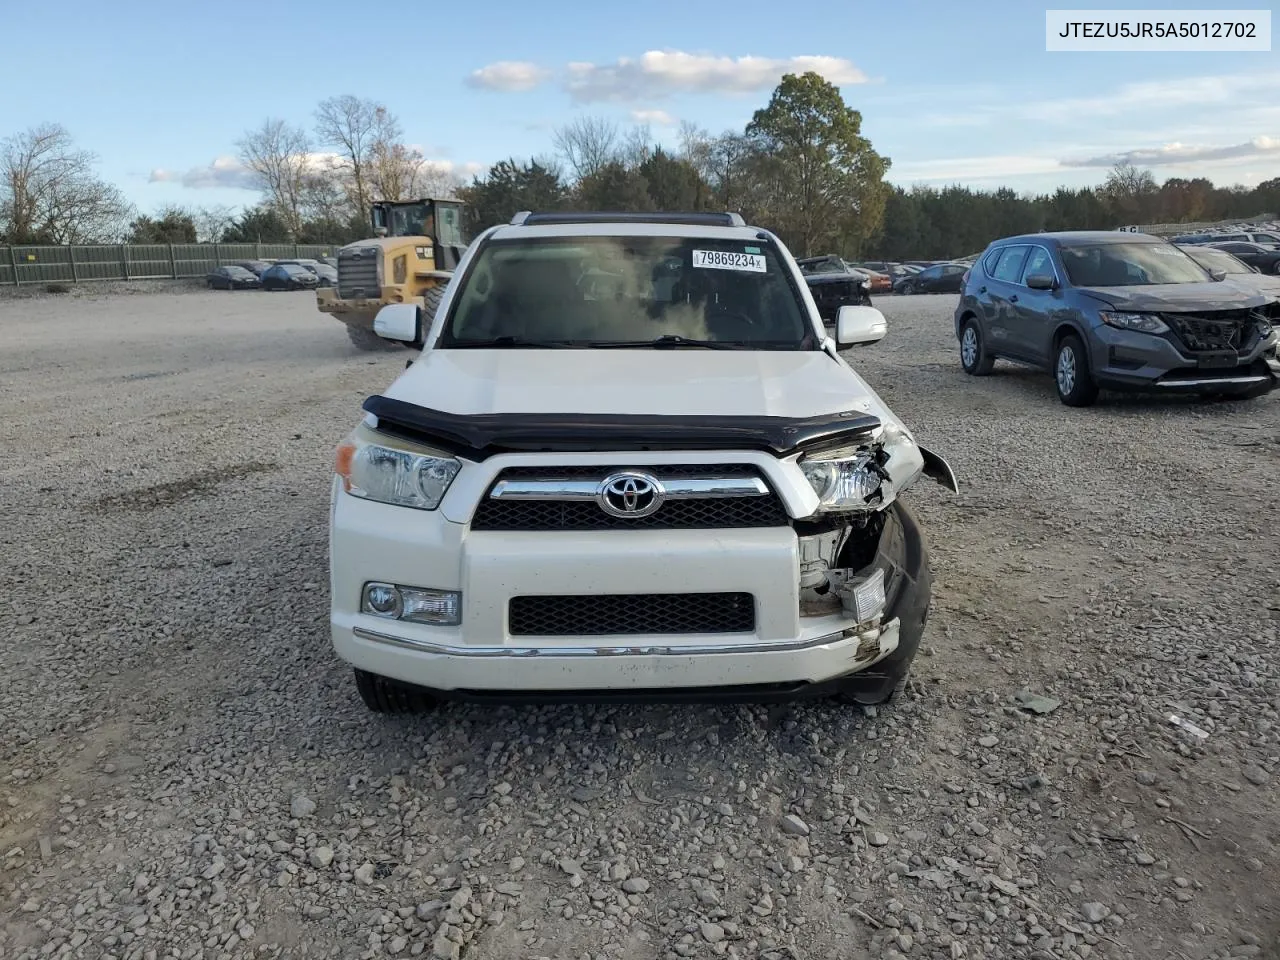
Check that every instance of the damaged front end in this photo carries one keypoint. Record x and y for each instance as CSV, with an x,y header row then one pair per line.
x,y
862,556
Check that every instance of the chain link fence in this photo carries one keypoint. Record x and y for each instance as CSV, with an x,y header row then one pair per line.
x,y
156,261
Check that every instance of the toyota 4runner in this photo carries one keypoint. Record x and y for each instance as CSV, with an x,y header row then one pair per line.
x,y
629,462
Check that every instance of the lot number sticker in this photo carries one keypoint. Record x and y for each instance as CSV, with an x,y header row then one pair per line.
x,y
727,260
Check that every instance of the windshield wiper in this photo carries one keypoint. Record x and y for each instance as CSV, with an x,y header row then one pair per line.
x,y
672,340
498,343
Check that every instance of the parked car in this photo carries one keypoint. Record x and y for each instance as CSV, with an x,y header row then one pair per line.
x,y
1266,259
256,267
939,278
685,493
1116,310
326,276
835,284
232,278
1218,261
288,276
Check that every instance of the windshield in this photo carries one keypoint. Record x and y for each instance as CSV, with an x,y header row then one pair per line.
x,y
602,291
822,266
237,272
1217,260
1130,265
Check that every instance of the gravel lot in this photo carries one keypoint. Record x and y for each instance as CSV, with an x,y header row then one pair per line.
x,y
185,770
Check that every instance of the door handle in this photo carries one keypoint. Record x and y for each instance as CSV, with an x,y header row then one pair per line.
x,y
1014,298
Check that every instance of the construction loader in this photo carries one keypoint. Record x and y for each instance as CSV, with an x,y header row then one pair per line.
x,y
415,248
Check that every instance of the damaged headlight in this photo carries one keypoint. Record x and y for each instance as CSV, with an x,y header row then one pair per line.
x,y
390,475
1141,322
845,479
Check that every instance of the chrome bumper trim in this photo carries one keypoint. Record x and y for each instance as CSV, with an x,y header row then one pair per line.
x,y
648,650
1210,381
674,489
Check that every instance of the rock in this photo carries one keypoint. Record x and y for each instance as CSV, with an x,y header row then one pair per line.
x,y
430,910
571,867
878,839
1146,778
793,826
442,948
516,864
988,741
711,932
301,806
320,857
635,885
1256,775
1094,912
364,873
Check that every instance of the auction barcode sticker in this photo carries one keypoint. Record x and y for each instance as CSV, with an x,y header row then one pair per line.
x,y
729,260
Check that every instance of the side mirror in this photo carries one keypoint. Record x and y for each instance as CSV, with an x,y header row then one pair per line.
x,y
859,325
1218,274
398,321
1042,281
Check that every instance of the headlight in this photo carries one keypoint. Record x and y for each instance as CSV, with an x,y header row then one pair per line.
x,y
1142,322
394,476
845,479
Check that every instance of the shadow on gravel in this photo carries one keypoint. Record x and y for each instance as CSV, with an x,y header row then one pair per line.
x,y
175,491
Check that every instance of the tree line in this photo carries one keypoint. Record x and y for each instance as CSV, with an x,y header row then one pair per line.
x,y
800,167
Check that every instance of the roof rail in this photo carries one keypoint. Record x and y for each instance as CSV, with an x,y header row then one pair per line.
x,y
528,219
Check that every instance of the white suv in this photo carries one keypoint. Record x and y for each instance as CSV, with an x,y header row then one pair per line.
x,y
628,463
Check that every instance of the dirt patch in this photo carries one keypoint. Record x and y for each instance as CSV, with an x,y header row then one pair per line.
x,y
174,491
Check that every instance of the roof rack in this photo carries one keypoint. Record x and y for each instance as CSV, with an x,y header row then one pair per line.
x,y
528,218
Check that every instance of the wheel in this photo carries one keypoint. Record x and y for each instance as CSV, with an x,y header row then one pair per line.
x,y
973,350
383,696
908,288
364,339
431,298
1076,386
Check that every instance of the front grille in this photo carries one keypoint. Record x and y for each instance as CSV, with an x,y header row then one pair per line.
x,y
644,613
1235,330
706,514
358,273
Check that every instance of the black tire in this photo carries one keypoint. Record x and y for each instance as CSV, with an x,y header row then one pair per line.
x,y
383,696
367,340
1071,374
974,358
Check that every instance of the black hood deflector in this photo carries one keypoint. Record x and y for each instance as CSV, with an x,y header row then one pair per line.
x,y
478,436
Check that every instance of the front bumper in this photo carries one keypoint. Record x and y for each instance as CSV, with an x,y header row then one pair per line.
x,y
783,652
1127,359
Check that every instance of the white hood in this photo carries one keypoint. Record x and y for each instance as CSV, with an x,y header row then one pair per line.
x,y
623,381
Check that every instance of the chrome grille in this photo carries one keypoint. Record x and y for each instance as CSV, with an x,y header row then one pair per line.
x,y
358,273
644,613
728,512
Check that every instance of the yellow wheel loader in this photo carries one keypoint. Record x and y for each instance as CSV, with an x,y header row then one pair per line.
x,y
416,247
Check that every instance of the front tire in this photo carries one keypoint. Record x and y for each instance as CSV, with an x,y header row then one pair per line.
x,y
383,696
974,358
367,340
1071,374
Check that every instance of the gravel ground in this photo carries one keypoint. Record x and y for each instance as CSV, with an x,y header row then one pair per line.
x,y
185,770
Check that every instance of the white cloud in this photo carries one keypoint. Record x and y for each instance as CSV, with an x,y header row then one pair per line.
x,y
223,172
508,75
1172,154
1178,94
659,73
659,118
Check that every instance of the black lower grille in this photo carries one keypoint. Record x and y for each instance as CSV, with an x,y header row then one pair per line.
x,y
644,613
1230,330
706,514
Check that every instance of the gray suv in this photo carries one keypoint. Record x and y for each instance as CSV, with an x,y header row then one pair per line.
x,y
1118,311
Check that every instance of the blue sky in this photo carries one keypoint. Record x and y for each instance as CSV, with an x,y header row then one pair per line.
x,y
950,92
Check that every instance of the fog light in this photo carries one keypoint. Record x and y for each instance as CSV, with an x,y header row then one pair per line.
x,y
382,600
415,604
431,606
864,597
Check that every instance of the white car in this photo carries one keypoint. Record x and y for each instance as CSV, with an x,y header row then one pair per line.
x,y
629,462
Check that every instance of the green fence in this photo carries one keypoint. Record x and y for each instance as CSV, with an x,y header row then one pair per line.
x,y
157,261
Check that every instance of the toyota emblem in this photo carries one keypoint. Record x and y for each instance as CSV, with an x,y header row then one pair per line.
x,y
631,495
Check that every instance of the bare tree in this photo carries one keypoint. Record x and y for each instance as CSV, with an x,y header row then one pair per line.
x,y
587,144
280,157
49,192
212,222
397,171
360,129
636,146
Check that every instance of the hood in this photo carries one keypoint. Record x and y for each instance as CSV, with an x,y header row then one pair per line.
x,y
663,382
1178,297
